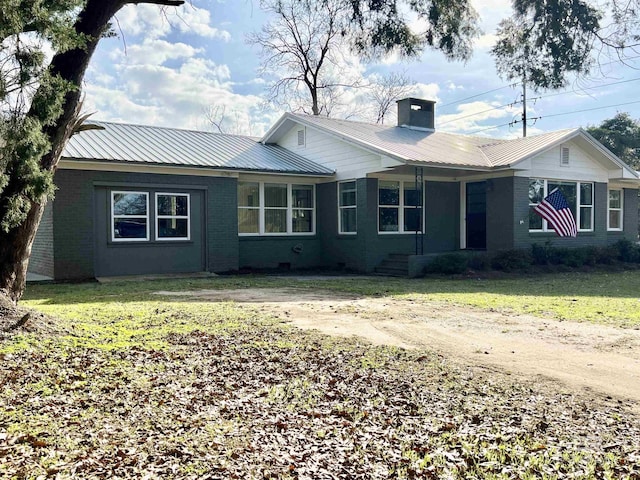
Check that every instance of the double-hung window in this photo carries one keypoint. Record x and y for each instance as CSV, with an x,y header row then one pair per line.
x,y
275,208
614,217
172,216
398,207
129,216
579,196
347,209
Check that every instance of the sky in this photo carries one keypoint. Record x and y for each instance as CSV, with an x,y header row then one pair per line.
x,y
170,68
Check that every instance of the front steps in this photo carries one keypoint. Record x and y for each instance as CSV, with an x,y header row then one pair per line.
x,y
395,265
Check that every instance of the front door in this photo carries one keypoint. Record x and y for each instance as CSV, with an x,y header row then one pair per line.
x,y
476,215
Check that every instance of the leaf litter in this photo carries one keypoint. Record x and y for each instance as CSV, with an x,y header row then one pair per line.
x,y
257,399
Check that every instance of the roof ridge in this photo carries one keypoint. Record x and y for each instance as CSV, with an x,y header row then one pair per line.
x,y
159,127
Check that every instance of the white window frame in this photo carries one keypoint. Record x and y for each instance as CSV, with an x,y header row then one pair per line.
x,y
186,217
579,205
289,208
242,207
113,216
401,208
347,207
619,210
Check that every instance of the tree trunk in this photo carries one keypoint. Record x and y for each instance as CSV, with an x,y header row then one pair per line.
x,y
15,245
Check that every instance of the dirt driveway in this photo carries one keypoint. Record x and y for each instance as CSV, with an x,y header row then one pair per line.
x,y
599,359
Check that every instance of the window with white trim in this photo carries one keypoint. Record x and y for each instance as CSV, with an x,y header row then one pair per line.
x,y
398,207
614,217
129,216
347,207
276,209
173,220
579,196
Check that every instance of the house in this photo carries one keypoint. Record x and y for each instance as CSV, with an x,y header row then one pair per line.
x,y
316,191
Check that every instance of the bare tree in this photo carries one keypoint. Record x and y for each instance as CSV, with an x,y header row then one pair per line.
x,y
388,90
228,121
300,46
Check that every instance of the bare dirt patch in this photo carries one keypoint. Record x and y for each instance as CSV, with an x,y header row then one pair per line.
x,y
597,358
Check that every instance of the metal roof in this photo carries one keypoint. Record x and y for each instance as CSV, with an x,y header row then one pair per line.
x,y
187,148
513,151
410,145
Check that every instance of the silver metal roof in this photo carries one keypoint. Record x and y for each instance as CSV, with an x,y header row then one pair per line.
x,y
513,151
187,148
414,146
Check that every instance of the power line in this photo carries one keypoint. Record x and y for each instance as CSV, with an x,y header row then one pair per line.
x,y
480,94
534,99
513,122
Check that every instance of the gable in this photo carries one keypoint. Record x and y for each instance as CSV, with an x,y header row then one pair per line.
x,y
346,159
575,159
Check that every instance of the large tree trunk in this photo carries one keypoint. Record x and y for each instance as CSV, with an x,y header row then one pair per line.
x,y
15,245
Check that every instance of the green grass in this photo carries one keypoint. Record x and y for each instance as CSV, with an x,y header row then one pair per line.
x,y
139,385
604,297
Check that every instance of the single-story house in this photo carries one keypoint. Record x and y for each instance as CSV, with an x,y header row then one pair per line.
x,y
318,192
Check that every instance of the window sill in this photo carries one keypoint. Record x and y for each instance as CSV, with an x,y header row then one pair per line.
x,y
149,243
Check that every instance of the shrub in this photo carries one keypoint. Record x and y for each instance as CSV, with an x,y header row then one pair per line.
x,y
480,262
541,254
511,260
448,263
626,251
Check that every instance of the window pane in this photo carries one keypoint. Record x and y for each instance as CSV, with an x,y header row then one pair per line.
x,y
302,221
536,190
173,228
348,219
412,219
130,227
248,194
614,199
174,205
411,195
388,219
248,220
535,220
275,221
347,194
129,204
302,196
586,194
585,218
614,219
275,195
388,193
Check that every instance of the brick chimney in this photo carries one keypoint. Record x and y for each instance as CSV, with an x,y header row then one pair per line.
x,y
416,113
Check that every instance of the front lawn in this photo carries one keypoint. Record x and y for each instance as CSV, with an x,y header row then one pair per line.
x,y
138,386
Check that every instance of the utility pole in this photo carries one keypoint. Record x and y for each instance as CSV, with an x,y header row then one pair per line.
x,y
524,105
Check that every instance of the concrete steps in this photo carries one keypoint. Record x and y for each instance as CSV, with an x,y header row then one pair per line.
x,y
395,265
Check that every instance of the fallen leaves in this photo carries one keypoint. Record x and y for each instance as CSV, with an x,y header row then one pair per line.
x,y
259,400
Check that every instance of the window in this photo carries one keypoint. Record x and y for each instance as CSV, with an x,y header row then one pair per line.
x,y
399,207
347,209
579,196
275,208
129,216
614,219
248,207
173,220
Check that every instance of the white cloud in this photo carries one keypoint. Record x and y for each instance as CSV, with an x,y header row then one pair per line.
x,y
470,117
154,22
155,52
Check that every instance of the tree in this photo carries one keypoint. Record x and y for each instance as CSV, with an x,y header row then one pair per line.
x,y
621,135
40,110
545,42
302,45
387,91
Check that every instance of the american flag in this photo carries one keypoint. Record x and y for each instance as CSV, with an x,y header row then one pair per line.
x,y
555,210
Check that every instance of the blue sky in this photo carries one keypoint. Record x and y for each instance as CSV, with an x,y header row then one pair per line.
x,y
168,69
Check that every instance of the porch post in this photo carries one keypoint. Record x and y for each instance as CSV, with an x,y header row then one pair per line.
x,y
419,233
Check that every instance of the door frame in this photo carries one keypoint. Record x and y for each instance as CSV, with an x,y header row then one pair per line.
x,y
463,210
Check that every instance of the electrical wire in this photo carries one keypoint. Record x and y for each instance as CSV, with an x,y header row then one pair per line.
x,y
480,94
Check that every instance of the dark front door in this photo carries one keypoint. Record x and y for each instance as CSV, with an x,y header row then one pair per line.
x,y
476,215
